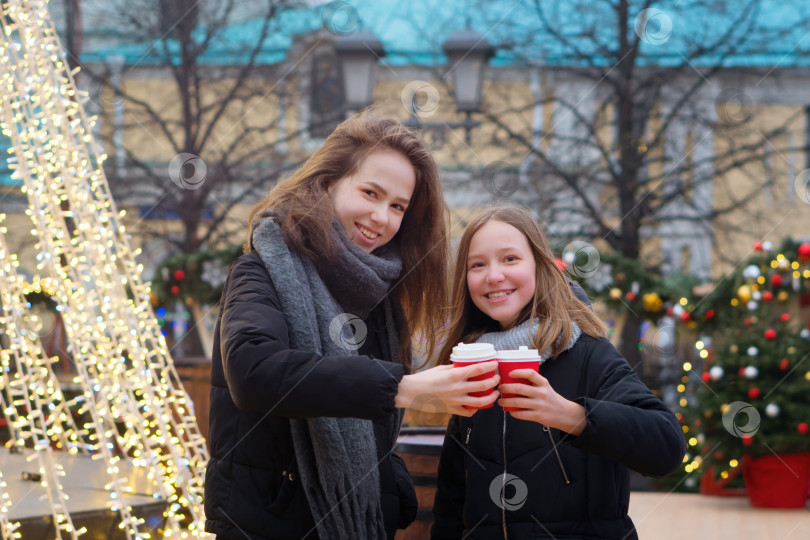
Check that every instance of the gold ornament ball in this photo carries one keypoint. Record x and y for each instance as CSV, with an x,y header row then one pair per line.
x,y
782,296
615,293
744,293
652,302
807,375
734,349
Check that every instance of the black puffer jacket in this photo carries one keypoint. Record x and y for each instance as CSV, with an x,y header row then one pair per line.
x,y
557,485
257,384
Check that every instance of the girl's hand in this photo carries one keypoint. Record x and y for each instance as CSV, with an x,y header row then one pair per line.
x,y
448,387
542,403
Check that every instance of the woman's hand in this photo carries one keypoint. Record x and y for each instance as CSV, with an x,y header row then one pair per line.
x,y
543,405
450,386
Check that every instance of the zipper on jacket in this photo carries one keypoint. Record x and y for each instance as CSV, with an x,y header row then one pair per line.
x,y
503,483
557,453
467,440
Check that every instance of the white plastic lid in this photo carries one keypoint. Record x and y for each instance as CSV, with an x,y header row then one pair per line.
x,y
469,352
521,353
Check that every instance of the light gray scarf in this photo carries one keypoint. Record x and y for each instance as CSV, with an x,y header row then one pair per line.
x,y
523,334
337,457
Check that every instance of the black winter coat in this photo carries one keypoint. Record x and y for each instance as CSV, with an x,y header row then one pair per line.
x,y
258,383
561,486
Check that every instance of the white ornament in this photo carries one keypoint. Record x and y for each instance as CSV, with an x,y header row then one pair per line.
x,y
751,272
716,373
752,305
805,333
568,257
772,410
756,295
677,310
767,246
214,273
753,351
751,372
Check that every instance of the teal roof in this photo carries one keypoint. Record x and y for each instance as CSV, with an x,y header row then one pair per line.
x,y
761,33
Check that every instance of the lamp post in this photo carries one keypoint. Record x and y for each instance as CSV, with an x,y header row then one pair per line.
x,y
467,52
358,54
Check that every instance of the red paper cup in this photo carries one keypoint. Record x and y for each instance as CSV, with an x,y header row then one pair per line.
x,y
467,354
509,361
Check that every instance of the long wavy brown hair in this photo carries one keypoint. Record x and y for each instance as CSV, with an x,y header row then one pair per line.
x,y
554,303
306,214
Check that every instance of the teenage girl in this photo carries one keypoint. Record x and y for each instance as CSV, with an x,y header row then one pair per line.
x,y
559,467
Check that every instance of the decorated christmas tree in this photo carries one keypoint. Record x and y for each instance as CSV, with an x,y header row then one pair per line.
x,y
748,399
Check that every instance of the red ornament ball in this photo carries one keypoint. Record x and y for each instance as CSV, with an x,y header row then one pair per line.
x,y
758,246
804,251
747,440
784,364
776,280
767,296
784,317
741,371
747,321
754,393
802,427
709,314
560,264
770,333
175,289
631,295
179,274
705,376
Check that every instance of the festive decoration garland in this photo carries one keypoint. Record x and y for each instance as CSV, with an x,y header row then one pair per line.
x,y
199,276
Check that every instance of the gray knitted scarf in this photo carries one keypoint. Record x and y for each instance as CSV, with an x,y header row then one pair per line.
x,y
523,334
337,457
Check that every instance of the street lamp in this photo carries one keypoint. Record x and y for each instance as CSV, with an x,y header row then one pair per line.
x,y
467,52
358,54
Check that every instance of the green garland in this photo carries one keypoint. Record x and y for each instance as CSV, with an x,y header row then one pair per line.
x,y
184,275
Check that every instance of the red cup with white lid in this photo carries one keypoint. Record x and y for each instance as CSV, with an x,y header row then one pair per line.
x,y
512,359
467,354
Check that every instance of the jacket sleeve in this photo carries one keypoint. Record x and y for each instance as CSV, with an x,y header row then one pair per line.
x,y
448,505
264,374
626,423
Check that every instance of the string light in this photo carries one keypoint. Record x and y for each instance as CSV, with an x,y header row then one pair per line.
x,y
130,390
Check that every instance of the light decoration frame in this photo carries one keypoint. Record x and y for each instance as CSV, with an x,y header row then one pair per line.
x,y
130,388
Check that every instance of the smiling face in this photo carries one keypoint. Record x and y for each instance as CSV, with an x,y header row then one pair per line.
x,y
500,272
371,203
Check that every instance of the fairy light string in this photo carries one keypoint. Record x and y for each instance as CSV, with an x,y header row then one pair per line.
x,y
33,405
131,390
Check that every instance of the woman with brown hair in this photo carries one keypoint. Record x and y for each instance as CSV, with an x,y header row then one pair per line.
x,y
344,263
557,467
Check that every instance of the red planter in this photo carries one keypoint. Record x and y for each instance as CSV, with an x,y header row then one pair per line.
x,y
778,481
